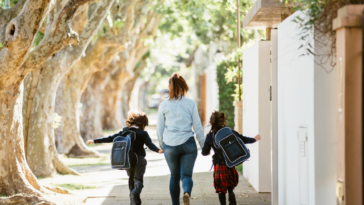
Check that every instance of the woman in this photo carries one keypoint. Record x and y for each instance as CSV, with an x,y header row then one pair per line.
x,y
176,116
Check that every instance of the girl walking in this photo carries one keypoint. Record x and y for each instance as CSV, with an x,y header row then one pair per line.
x,y
176,117
225,178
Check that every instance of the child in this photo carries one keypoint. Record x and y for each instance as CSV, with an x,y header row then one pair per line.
x,y
225,178
136,122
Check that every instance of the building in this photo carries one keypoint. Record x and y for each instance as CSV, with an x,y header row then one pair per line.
x,y
294,99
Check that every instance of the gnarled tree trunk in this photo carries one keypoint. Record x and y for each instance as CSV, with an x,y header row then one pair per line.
x,y
40,122
41,154
15,175
91,127
69,140
18,27
113,116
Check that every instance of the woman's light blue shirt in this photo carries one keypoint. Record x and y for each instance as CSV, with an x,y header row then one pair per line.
x,y
175,121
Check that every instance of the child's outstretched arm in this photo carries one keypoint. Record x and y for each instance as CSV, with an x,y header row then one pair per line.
x,y
248,140
150,144
104,139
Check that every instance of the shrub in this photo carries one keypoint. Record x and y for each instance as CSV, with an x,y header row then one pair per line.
x,y
227,72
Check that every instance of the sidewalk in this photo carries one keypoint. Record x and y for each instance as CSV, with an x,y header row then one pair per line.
x,y
156,184
156,193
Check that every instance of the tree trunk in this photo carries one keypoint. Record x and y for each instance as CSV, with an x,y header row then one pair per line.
x,y
69,96
130,85
41,152
69,140
113,115
15,175
91,127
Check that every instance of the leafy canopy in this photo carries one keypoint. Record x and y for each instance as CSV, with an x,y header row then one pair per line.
x,y
203,20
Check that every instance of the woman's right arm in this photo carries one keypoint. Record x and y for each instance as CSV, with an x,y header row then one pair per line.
x,y
160,126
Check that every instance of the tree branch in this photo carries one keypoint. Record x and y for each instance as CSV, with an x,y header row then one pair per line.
x,y
70,10
90,30
97,51
19,35
54,43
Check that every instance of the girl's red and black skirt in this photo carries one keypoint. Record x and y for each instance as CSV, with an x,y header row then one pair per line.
x,y
225,177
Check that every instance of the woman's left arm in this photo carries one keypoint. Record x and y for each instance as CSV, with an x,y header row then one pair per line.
x,y
197,126
160,126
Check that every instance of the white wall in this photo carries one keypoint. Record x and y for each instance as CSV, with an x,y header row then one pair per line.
x,y
212,92
305,99
256,114
274,116
325,124
296,106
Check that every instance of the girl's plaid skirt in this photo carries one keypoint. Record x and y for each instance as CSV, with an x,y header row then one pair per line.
x,y
225,177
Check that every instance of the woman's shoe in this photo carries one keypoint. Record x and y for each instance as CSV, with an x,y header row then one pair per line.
x,y
186,199
232,200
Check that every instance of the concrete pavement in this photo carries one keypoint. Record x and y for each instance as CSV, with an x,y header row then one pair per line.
x,y
156,188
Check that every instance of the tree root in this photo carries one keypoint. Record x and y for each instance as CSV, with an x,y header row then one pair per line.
x,y
25,199
58,190
80,151
62,168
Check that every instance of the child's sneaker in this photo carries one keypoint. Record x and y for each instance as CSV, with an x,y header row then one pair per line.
x,y
186,199
232,200
135,199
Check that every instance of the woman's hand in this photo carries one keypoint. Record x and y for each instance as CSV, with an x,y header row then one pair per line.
x,y
160,151
257,137
90,142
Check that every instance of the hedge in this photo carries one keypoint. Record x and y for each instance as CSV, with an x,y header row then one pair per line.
x,y
227,80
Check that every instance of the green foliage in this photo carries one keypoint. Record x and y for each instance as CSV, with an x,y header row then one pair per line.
x,y
227,80
239,168
57,121
38,38
12,3
314,8
203,20
74,186
233,71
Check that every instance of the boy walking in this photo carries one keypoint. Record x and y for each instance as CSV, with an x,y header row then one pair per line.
x,y
137,121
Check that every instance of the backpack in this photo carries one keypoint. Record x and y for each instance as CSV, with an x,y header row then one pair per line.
x,y
230,148
122,154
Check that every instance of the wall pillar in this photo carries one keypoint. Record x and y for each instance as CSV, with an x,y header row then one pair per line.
x,y
274,116
349,104
256,114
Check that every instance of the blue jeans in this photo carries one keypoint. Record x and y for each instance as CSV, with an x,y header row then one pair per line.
x,y
181,160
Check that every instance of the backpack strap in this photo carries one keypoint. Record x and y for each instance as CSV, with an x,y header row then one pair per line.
x,y
214,141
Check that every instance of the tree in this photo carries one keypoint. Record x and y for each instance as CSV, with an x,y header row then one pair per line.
x,y
113,111
102,53
111,95
19,26
130,84
40,149
204,21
